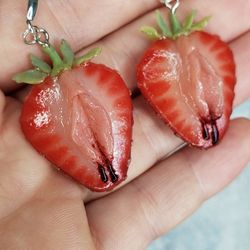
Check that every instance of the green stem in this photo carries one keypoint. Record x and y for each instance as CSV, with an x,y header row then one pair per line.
x,y
66,62
177,28
58,63
88,56
176,25
67,53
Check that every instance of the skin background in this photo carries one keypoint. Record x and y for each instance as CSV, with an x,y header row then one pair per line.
x,y
40,196
222,222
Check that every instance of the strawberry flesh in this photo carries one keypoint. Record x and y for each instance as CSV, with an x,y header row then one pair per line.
x,y
81,121
190,83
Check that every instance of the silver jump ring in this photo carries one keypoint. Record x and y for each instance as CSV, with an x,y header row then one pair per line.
x,y
172,5
42,36
29,35
35,35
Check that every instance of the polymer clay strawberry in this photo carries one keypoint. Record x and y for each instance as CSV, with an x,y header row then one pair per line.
x,y
79,116
188,76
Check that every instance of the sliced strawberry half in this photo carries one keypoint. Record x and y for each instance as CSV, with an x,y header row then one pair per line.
x,y
81,121
190,82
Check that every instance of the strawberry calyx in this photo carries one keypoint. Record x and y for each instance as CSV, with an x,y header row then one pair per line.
x,y
176,28
59,64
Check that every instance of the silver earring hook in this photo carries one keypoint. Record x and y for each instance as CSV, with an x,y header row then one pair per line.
x,y
172,5
32,8
34,34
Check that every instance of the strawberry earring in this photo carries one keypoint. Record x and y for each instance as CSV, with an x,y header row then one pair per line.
x,y
78,114
188,76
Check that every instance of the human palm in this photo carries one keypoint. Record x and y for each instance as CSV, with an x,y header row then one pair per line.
x,y
43,209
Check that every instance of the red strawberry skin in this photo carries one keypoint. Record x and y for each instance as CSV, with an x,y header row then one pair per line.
x,y
190,83
81,121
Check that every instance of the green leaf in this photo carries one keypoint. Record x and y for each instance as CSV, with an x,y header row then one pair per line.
x,y
87,57
176,25
40,64
201,24
58,64
150,32
189,20
68,55
162,24
30,77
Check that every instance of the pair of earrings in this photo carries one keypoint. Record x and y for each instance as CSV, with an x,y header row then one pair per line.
x,y
79,114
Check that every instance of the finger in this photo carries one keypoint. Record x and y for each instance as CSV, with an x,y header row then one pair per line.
x,y
22,170
164,196
17,172
79,22
241,51
126,62
121,45
123,49
221,17
47,224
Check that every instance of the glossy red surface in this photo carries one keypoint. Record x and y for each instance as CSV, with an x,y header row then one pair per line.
x,y
190,84
81,121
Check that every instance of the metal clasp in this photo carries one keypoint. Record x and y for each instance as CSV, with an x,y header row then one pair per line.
x,y
172,5
34,34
